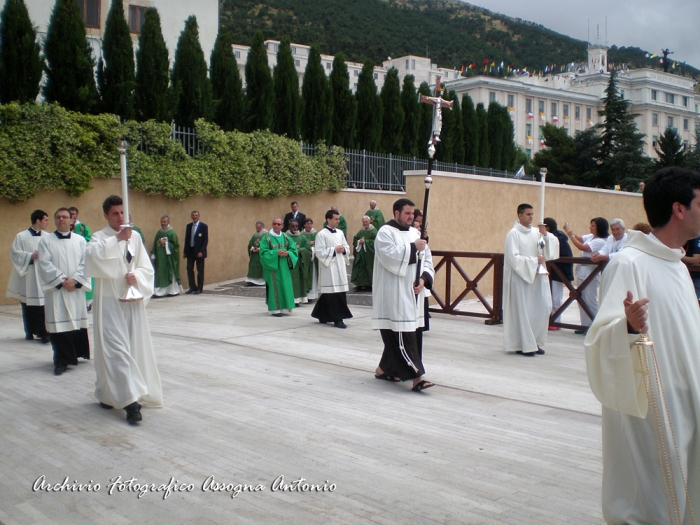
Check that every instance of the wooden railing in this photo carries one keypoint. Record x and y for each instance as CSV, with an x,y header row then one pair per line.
x,y
574,292
448,263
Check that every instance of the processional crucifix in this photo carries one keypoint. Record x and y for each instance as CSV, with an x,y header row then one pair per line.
x,y
438,103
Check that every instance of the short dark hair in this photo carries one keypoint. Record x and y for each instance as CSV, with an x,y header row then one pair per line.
x,y
549,221
524,206
602,227
294,202
331,213
73,208
61,209
112,200
38,215
666,187
417,213
399,204
294,221
308,219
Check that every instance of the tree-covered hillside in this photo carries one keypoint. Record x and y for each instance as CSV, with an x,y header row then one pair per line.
x,y
453,33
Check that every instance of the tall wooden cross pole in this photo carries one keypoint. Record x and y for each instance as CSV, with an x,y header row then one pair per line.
x,y
438,103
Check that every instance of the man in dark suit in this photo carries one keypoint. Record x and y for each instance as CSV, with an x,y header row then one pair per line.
x,y
195,244
294,214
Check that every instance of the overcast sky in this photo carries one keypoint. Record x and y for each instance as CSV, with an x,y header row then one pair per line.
x,y
649,24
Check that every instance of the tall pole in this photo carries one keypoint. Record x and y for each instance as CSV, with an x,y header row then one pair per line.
x,y
122,147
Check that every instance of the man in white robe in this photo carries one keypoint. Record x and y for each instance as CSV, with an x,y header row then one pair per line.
x,y
61,262
614,243
527,299
332,251
127,375
397,304
647,289
23,283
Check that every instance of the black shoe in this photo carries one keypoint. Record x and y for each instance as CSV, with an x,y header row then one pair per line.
x,y
539,351
46,338
133,413
29,337
59,369
322,322
191,290
106,406
278,314
197,292
526,354
358,288
340,324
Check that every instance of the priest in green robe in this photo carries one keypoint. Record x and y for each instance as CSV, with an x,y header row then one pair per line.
x,y
342,223
166,260
375,215
255,269
137,230
278,255
82,230
311,271
363,249
298,272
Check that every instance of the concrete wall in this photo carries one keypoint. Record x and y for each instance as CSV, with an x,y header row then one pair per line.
x,y
231,220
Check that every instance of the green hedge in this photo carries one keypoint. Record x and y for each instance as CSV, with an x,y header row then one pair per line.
x,y
46,147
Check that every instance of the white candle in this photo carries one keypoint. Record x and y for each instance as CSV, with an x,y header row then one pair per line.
x,y
543,177
125,183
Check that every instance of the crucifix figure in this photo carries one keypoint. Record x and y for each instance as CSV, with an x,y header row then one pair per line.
x,y
438,103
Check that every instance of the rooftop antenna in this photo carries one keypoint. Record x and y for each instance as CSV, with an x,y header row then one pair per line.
x,y
597,37
606,30
589,32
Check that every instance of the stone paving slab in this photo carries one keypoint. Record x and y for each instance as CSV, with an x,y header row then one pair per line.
x,y
248,398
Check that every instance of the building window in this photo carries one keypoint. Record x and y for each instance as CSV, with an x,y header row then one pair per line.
x,y
357,73
413,64
670,98
355,85
577,111
528,130
136,16
670,122
528,105
456,74
622,93
697,108
406,63
541,105
528,152
297,63
277,47
90,11
654,94
589,113
654,140
492,96
328,65
685,124
686,102
554,109
376,76
511,101
654,119
685,144
566,110
294,50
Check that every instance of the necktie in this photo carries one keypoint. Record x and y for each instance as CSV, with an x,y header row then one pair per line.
x,y
194,229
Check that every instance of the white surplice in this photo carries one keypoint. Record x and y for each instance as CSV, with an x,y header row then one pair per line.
x,y
24,282
527,300
58,259
633,489
394,305
332,266
124,360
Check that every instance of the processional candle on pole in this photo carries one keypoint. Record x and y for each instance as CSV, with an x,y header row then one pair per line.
x,y
438,103
132,292
542,268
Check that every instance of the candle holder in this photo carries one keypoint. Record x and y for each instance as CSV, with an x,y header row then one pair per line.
x,y
132,292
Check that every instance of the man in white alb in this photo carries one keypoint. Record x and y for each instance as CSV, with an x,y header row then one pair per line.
x,y
127,375
527,300
614,243
647,289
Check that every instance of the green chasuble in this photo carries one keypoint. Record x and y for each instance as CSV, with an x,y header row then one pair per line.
x,y
376,217
277,271
308,268
364,257
82,230
299,271
342,226
255,269
138,230
166,265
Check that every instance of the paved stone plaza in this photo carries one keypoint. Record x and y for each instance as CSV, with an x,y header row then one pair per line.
x,y
248,398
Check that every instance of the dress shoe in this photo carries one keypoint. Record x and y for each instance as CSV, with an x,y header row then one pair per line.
x,y
278,314
526,354
46,338
59,369
539,351
29,337
197,292
340,324
191,290
133,413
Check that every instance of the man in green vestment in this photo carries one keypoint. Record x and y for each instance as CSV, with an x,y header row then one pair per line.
x,y
375,215
166,260
311,270
342,223
278,255
363,248
82,230
298,272
138,230
255,269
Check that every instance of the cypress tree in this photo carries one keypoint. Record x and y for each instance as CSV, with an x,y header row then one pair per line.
x,y
445,148
227,87
189,77
317,109
20,55
152,96
369,110
495,134
392,122
116,76
471,144
287,100
344,108
458,130
482,130
508,153
670,151
425,121
70,78
259,90
411,111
